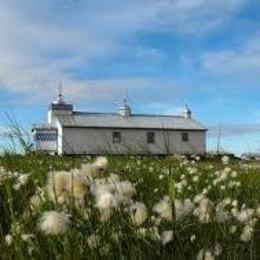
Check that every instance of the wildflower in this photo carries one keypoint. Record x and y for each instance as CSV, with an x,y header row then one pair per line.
x,y
161,176
98,189
164,208
234,174
150,169
225,159
23,179
217,250
244,215
155,190
204,211
205,255
154,233
17,186
9,239
27,237
142,232
183,176
258,212
101,162
234,203
227,170
221,215
93,241
54,223
138,213
210,166
106,201
62,184
195,178
95,168
183,208
232,229
192,238
113,178
126,189
166,237
16,227
223,176
105,214
222,187
246,234
198,198
205,191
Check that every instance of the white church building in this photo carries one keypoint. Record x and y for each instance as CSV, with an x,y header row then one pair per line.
x,y
73,133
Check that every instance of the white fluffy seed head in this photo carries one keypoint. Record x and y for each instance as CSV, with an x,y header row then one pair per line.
x,y
166,237
183,208
205,255
246,234
106,201
126,189
138,213
204,210
61,185
9,239
23,179
164,209
101,162
54,223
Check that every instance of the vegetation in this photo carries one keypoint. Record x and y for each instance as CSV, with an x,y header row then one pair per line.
x,y
129,208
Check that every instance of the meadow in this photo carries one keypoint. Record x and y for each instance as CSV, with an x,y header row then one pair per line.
x,y
128,207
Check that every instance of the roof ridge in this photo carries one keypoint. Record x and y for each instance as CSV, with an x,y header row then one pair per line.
x,y
132,115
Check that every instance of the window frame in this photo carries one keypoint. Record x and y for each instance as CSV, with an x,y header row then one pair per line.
x,y
150,137
116,137
46,137
185,137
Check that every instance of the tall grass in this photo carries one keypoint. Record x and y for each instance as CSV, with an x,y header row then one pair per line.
x,y
117,237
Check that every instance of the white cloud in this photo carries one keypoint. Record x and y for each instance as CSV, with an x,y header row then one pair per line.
x,y
245,59
234,129
44,41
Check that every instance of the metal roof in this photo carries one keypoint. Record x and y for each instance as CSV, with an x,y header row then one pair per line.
x,y
135,121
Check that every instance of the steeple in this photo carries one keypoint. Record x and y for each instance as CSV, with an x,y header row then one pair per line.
x,y
59,106
186,112
125,109
60,99
60,95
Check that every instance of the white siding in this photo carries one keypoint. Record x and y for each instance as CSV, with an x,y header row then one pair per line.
x,y
97,141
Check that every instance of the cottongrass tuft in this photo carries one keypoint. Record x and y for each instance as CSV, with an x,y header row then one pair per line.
x,y
54,223
205,255
183,208
138,213
106,201
204,210
166,237
246,234
164,208
95,168
9,239
61,185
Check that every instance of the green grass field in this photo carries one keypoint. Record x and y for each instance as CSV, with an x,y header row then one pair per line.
x,y
136,208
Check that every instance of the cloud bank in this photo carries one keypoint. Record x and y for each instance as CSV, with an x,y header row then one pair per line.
x,y
43,42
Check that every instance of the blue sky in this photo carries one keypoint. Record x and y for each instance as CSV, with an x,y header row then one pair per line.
x,y
163,52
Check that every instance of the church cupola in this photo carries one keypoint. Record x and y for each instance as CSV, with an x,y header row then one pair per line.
x,y
125,109
186,112
59,107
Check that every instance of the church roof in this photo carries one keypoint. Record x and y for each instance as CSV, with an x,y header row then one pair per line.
x,y
134,121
